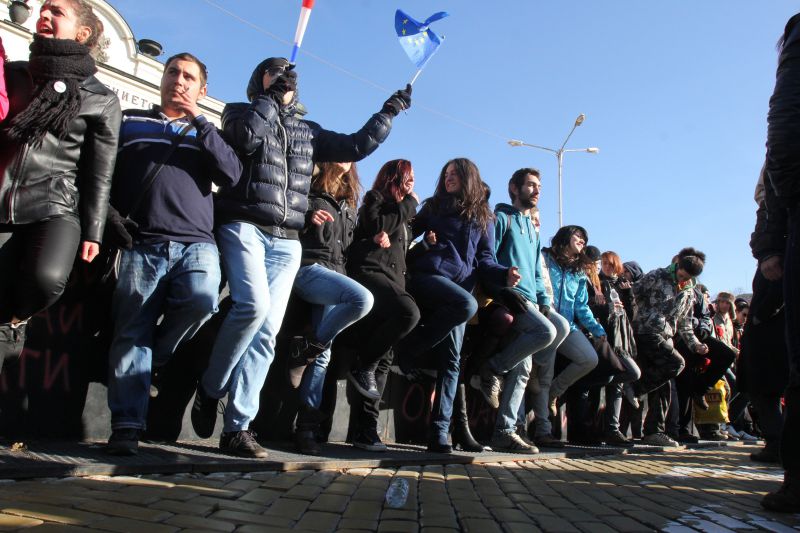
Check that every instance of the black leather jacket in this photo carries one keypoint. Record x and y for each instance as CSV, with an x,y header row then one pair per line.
x,y
278,151
327,244
66,177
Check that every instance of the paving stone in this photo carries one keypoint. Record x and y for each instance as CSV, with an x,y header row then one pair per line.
x,y
554,524
397,526
304,492
366,510
8,521
369,494
284,481
261,496
51,513
357,523
595,527
478,525
469,509
438,530
318,521
340,487
235,517
399,514
243,485
519,527
498,501
511,515
124,510
229,505
330,503
444,521
61,528
199,522
623,524
260,529
186,508
129,525
287,508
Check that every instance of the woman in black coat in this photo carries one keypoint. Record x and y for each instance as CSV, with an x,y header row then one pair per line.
x,y
377,260
57,151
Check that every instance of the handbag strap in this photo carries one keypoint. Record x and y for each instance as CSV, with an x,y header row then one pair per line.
x,y
151,176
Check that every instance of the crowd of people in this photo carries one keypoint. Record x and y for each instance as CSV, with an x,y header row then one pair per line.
x,y
547,325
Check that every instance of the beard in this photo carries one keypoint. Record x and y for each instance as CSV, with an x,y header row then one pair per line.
x,y
527,202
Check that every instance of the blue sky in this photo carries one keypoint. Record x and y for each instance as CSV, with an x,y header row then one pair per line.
x,y
675,96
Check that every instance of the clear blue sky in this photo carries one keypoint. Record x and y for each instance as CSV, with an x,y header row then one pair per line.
x,y
675,96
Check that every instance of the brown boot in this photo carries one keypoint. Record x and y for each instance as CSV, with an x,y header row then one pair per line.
x,y
786,499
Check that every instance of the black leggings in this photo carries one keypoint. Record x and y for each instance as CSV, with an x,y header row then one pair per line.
x,y
35,262
392,317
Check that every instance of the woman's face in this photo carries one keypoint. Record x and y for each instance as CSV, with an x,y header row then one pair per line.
x,y
742,314
344,168
576,243
452,181
58,20
605,266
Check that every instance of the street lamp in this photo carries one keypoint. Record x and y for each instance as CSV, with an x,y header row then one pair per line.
x,y
560,156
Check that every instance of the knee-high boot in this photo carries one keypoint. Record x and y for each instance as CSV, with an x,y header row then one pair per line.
x,y
460,425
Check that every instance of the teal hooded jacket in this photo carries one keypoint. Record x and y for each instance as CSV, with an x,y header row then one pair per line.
x,y
516,243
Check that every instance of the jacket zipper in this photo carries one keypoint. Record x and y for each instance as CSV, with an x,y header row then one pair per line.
x,y
16,174
285,172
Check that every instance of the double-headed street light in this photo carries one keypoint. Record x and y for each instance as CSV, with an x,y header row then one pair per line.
x,y
560,156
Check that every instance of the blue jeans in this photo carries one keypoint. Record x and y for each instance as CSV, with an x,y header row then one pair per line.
x,y
338,302
261,270
446,307
179,280
583,358
536,332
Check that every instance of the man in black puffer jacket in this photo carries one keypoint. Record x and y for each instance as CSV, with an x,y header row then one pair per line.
x,y
258,221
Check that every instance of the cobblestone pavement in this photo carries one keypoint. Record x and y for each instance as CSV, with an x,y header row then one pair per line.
x,y
687,490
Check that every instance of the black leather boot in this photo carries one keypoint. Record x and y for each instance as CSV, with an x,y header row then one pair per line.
x,y
308,421
462,436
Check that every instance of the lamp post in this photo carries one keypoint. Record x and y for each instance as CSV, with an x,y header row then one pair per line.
x,y
560,156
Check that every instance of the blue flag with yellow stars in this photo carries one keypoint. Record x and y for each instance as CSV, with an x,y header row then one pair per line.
x,y
416,38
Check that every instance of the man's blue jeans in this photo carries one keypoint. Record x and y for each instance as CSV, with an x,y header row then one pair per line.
x,y
338,302
536,332
446,307
179,280
260,270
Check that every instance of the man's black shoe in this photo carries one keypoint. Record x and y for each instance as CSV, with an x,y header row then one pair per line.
x,y
687,438
124,441
204,413
242,443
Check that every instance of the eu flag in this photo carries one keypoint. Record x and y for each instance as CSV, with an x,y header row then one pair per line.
x,y
416,38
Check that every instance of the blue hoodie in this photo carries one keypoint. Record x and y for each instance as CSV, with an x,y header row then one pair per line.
x,y
517,244
571,298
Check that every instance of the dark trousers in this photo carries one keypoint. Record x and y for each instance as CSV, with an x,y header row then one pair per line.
x,y
769,417
659,362
692,381
790,441
35,262
394,314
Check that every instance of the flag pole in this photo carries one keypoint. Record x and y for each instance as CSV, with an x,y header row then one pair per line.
x,y
302,23
419,71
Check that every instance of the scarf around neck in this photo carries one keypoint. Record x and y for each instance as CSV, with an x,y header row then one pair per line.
x,y
57,67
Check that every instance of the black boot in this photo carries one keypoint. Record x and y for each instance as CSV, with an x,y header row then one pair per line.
x,y
462,437
308,420
12,339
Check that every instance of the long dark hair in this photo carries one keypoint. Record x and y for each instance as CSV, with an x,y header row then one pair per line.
x,y
391,177
347,187
470,201
558,249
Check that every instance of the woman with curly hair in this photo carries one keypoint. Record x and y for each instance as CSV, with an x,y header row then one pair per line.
x,y
457,249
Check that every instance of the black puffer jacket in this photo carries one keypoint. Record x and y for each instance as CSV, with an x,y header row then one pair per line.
x,y
279,151
378,214
327,244
63,177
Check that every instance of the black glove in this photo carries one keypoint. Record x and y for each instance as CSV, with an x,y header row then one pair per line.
x,y
118,230
513,300
398,102
545,310
286,82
